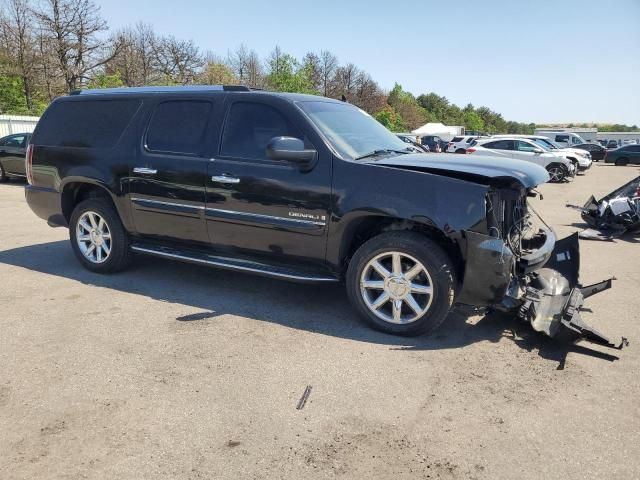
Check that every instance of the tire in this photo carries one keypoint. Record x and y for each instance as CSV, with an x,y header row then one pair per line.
x,y
557,172
622,162
461,150
413,249
119,255
3,174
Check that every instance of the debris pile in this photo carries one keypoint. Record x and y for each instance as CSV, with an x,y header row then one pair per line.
x,y
613,215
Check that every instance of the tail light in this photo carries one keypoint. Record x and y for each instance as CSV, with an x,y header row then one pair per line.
x,y
471,150
29,164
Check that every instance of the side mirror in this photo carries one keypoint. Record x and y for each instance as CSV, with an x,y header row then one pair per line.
x,y
290,149
538,150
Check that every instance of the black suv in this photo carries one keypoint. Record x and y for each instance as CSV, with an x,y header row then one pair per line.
x,y
294,187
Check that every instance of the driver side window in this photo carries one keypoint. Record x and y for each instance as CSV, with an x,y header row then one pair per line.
x,y
250,127
525,147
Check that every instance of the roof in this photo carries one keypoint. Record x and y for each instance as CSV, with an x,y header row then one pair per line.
x,y
162,89
190,89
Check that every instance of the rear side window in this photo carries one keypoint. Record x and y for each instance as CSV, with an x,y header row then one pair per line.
x,y
15,141
501,145
86,124
178,127
562,138
457,139
250,127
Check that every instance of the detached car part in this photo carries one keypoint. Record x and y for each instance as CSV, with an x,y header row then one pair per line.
x,y
612,215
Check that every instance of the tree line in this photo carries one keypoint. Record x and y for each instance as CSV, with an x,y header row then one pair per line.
x,y
49,48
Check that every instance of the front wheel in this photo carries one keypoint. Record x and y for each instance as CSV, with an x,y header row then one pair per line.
x,y
557,173
3,175
98,238
401,283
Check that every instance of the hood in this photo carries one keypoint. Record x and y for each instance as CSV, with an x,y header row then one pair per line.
x,y
478,168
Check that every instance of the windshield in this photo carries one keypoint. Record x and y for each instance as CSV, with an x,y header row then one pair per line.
x,y
577,140
351,131
546,144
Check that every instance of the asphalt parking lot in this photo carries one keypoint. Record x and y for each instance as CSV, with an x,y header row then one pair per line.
x,y
175,371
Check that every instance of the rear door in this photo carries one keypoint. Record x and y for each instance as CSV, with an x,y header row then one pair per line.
x,y
167,180
257,207
12,153
501,148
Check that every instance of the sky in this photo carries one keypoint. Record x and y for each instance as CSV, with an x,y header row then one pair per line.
x,y
541,61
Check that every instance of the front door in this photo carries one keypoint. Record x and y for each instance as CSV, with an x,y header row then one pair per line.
x,y
257,207
167,181
12,153
527,151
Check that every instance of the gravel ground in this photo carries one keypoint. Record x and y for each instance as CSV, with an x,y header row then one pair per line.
x,y
174,371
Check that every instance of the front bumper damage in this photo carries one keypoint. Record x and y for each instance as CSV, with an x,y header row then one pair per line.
x,y
553,297
540,287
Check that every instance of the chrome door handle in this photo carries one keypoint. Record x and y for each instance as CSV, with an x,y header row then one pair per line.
x,y
148,171
225,179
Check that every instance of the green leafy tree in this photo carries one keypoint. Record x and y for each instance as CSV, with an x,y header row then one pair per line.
x,y
287,75
102,80
390,119
407,107
473,121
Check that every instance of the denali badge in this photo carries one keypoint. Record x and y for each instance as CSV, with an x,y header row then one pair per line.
x,y
308,216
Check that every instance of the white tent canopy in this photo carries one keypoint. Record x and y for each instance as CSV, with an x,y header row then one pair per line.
x,y
447,133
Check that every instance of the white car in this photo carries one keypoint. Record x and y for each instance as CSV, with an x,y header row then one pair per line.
x,y
460,144
580,158
559,167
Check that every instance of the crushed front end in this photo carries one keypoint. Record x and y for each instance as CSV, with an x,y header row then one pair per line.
x,y
520,267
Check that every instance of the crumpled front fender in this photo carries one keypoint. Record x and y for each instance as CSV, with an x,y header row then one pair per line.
x,y
489,263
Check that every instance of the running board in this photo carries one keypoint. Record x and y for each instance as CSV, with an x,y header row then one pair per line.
x,y
231,264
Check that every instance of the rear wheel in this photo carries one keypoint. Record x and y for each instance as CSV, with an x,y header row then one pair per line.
x,y
461,150
3,175
401,283
557,173
621,162
98,238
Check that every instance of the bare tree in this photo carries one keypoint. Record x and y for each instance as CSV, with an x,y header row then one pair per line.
x,y
328,66
72,28
344,81
178,60
254,71
19,44
133,55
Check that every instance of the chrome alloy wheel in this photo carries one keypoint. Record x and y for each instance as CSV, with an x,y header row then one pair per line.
x,y
556,174
93,237
396,287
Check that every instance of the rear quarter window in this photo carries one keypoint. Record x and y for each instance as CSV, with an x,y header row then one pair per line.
x,y
457,139
85,124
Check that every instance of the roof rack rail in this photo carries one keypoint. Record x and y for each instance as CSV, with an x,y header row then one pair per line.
x,y
163,89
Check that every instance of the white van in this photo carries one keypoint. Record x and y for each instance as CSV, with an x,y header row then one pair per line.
x,y
562,139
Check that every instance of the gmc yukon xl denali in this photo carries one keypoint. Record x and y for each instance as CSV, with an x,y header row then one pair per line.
x,y
301,188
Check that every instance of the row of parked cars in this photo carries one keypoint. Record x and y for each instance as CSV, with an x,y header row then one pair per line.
x,y
561,162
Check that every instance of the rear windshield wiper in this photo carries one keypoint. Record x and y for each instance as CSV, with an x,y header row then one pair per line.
x,y
383,151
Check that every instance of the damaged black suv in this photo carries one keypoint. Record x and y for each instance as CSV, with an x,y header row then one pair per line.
x,y
301,188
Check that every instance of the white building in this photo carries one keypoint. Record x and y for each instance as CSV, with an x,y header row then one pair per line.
x,y
10,124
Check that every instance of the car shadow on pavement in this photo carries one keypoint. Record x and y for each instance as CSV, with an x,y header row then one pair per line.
x,y
320,309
